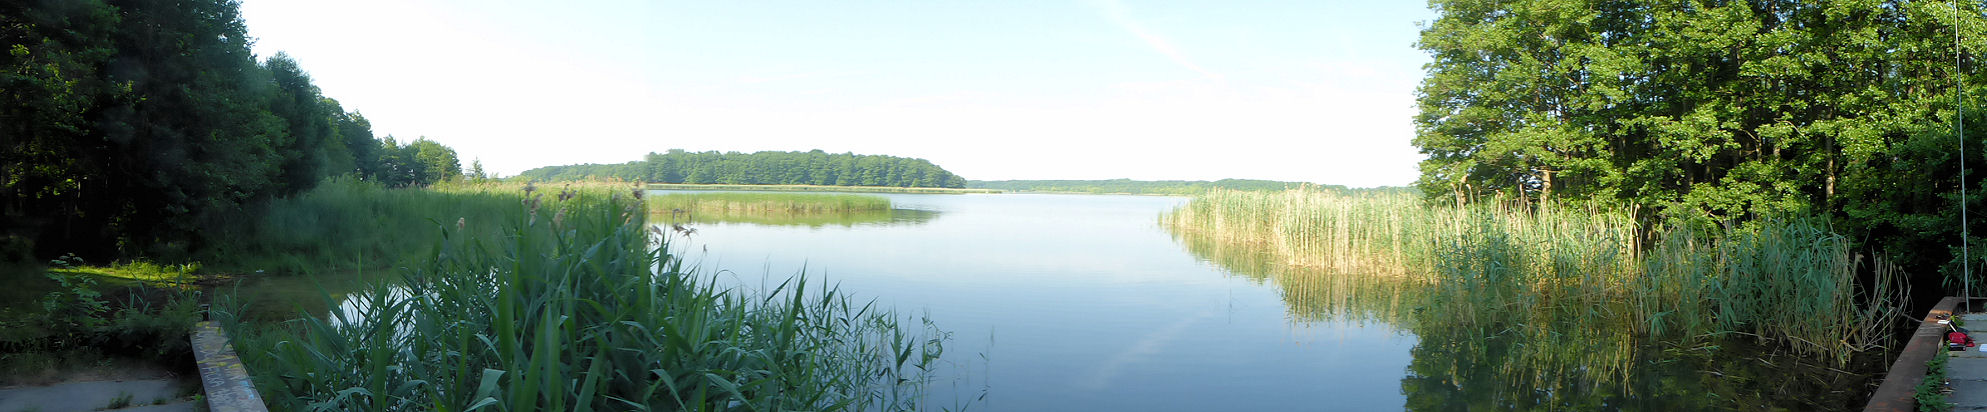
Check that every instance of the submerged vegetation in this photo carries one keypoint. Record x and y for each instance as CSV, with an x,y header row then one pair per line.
x,y
1493,268
571,301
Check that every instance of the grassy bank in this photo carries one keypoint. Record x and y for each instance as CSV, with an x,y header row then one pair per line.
x,y
80,322
1495,269
569,300
816,188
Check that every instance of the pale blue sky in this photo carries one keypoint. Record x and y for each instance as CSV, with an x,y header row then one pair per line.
x,y
1318,91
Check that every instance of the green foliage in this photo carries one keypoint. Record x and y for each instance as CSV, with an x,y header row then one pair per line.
x,y
1140,187
761,168
575,304
78,326
128,127
1931,393
122,400
347,223
421,162
1704,112
74,309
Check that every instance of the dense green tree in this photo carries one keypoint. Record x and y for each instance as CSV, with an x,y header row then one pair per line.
x,y
304,150
355,133
1707,111
127,126
476,171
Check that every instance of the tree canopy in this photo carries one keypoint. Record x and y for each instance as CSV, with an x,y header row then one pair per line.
x,y
761,168
1710,111
127,125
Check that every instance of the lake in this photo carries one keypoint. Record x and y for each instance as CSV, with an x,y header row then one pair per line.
x,y
1086,302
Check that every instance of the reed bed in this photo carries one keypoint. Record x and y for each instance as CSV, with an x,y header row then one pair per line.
x,y
1495,267
812,220
767,203
576,304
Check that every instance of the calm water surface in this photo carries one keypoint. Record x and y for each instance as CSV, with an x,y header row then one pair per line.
x,y
1077,302
1081,303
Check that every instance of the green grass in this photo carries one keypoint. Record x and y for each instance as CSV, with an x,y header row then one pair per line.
x,y
572,302
816,188
121,401
345,224
1493,268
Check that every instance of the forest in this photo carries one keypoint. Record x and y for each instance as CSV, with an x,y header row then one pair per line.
x,y
1141,187
126,127
1700,114
760,168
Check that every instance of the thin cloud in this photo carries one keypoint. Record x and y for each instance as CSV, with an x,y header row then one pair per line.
x,y
1115,12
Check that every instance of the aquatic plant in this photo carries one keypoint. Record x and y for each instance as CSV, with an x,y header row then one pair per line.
x,y
585,310
1491,267
766,203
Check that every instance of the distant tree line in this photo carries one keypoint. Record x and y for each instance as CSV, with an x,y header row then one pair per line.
x,y
1142,187
761,168
126,126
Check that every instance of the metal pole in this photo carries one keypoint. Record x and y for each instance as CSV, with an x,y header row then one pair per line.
x,y
1959,122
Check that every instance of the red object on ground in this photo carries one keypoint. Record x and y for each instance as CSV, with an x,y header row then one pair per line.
x,y
1960,338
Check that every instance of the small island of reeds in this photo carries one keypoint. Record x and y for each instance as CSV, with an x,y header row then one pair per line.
x,y
782,209
766,203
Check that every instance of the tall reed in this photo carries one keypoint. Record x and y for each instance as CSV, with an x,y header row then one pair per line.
x,y
1495,267
578,305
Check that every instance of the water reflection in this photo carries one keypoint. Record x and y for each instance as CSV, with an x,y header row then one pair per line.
x,y
1311,295
278,298
1501,358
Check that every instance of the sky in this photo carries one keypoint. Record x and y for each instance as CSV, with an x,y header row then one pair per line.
x,y
1319,91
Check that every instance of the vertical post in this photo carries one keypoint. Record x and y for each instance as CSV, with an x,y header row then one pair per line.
x,y
1959,124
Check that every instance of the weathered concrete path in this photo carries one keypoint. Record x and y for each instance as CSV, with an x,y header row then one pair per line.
x,y
156,395
1967,370
227,382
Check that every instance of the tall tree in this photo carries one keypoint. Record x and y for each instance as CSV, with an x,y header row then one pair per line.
x,y
1701,110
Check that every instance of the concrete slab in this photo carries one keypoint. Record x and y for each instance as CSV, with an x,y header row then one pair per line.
x,y
1974,369
1973,352
1968,393
226,380
91,396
